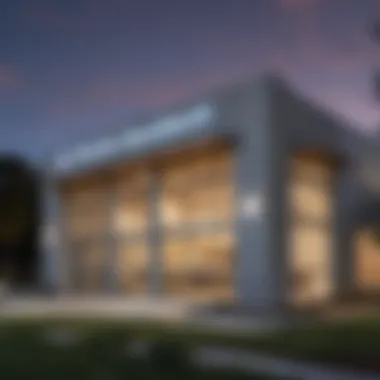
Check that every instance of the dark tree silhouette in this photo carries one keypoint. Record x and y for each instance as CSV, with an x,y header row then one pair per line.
x,y
18,219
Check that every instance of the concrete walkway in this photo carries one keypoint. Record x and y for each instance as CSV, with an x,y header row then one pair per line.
x,y
249,362
116,308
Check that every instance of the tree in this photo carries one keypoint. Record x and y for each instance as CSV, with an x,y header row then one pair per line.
x,y
17,210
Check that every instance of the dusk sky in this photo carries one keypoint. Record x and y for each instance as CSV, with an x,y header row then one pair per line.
x,y
71,69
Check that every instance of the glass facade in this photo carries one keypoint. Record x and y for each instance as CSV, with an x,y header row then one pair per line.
x,y
115,215
130,221
311,193
367,261
85,226
197,215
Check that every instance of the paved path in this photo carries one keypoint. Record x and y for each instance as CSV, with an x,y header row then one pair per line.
x,y
175,311
219,357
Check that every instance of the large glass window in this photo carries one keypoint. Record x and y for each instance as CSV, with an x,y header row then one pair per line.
x,y
86,223
85,213
196,204
211,203
367,260
311,170
200,265
310,190
131,216
197,215
312,262
199,191
131,213
310,202
87,261
133,266
130,222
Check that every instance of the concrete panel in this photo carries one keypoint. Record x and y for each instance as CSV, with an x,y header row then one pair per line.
x,y
156,265
51,271
259,269
304,125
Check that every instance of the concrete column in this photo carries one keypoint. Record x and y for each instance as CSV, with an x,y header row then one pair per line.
x,y
344,227
260,223
53,268
111,241
155,277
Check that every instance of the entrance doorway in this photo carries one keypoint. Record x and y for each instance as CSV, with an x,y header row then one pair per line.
x,y
311,201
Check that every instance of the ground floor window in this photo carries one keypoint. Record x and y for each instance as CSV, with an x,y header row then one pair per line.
x,y
367,260
199,265
310,192
133,266
87,264
191,209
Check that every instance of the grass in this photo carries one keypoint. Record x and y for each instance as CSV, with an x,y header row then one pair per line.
x,y
101,354
351,344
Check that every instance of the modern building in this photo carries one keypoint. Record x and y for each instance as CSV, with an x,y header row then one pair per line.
x,y
248,195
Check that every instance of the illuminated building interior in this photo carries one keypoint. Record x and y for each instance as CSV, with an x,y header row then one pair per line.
x,y
195,222
367,260
311,199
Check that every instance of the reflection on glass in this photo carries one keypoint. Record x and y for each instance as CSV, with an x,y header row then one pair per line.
x,y
367,260
133,267
311,202
199,190
131,216
131,183
87,262
314,171
200,266
85,212
197,205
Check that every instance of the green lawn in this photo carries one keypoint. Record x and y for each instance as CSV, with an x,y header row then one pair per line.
x,y
101,354
353,344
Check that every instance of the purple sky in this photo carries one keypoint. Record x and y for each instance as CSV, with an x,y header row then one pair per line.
x,y
76,68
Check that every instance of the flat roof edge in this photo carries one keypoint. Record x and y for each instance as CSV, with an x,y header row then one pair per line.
x,y
200,118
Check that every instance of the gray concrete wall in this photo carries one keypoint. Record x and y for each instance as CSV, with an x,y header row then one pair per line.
x,y
51,244
246,111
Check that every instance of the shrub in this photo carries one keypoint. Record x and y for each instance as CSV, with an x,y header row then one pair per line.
x,y
169,356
